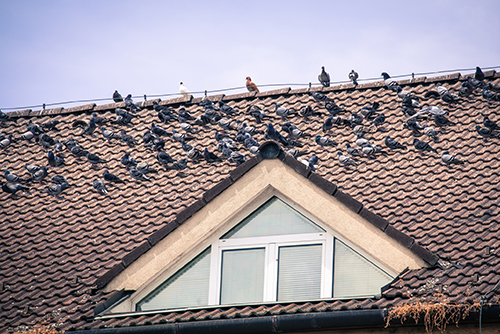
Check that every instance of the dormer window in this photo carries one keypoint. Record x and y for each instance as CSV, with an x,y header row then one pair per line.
x,y
276,254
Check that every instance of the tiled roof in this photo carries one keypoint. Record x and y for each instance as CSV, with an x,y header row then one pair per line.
x,y
57,252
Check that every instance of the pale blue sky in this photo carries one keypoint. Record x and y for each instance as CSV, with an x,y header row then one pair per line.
x,y
53,51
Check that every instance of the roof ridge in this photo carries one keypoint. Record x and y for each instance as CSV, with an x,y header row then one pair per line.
x,y
215,98
268,150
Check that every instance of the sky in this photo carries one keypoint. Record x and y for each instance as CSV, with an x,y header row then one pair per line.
x,y
55,51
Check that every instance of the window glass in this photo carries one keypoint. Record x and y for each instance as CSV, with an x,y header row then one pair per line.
x,y
354,275
299,272
187,288
242,279
273,218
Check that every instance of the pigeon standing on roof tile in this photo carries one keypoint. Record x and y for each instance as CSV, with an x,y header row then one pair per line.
x,y
179,165
282,111
117,97
183,90
164,158
100,186
59,179
88,128
390,83
251,86
6,118
128,161
28,135
12,188
324,77
442,121
12,178
128,139
186,126
429,131
312,162
158,130
129,103
486,132
393,144
490,124
32,169
257,113
422,146
46,141
414,125
225,124
58,147
4,143
94,159
324,141
137,175
36,128
112,178
55,189
371,150
369,112
466,89
109,134
479,74
226,109
320,97
55,160
144,168
328,124
41,174
446,96
210,157
449,159
379,120
50,125
361,142
345,160
181,137
489,95
353,76
353,151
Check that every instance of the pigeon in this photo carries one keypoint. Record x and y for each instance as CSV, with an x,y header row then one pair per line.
x,y
273,134
55,160
4,143
40,174
58,147
128,139
78,151
369,112
361,142
479,75
251,86
247,128
129,103
353,151
100,186
431,132
13,178
282,111
50,125
390,83
55,189
158,130
355,119
147,137
127,161
157,144
137,175
489,95
257,113
324,77
28,135
332,107
6,118
46,141
393,144
320,97
210,157
422,146
112,178
370,150
99,120
445,95
328,124
88,128
32,169
59,179
466,89
486,132
490,124
185,114
108,134
493,87
361,130
379,120
179,165
181,137
323,141
345,160
144,168
165,116
203,120
186,147
186,126
164,158
433,110
249,141
94,159
12,188
207,104
307,110
312,162
117,97
183,90
449,159
413,125
442,121
226,109
353,76
402,93
292,130
37,129
225,124
409,102
295,153
194,154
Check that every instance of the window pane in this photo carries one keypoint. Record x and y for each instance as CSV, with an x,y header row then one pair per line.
x,y
354,275
242,276
299,272
187,288
273,218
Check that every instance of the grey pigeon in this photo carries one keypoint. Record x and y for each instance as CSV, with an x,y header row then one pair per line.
x,y
225,124
100,186
328,124
144,168
466,89
431,132
307,110
6,118
186,126
12,188
36,128
442,121
345,160
210,157
129,103
353,76
361,142
40,174
323,141
379,120
449,159
99,120
158,130
393,144
112,178
88,128
181,137
490,124
13,178
109,134
55,189
94,159
194,154
138,176
282,111
486,132
295,153
479,74
128,161
128,139
226,109
446,96
422,146
32,168
179,165
50,125
117,97
369,112
164,158
78,151
28,135
489,95
313,162
332,107
256,113
390,82
353,151
55,160
59,179
371,150
320,97
58,147
4,143
324,77
46,141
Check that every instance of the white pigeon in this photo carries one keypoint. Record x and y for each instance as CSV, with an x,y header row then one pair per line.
x,y
184,91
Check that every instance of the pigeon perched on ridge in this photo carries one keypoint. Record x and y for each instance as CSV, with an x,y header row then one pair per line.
x,y
117,97
479,74
129,103
324,77
449,159
100,186
112,178
393,144
353,76
251,86
390,83
345,160
55,160
183,90
422,146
